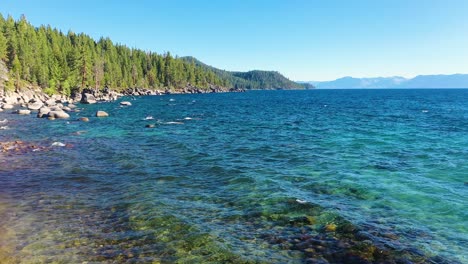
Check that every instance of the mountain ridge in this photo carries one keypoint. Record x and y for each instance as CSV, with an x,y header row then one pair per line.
x,y
421,81
254,79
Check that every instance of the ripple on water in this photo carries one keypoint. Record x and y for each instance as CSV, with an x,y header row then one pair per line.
x,y
378,181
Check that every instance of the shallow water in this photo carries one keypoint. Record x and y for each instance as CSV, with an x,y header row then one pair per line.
x,y
242,177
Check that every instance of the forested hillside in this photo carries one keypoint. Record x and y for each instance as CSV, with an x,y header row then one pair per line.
x,y
58,63
252,79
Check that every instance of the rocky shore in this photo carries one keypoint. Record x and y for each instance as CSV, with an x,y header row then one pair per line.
x,y
52,107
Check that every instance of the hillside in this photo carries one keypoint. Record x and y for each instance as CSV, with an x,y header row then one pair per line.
x,y
61,63
252,79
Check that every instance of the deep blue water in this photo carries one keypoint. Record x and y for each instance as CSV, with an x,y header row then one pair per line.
x,y
242,177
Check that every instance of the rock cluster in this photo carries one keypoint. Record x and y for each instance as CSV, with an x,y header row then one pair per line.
x,y
92,96
30,100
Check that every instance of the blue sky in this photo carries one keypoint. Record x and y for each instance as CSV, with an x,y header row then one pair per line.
x,y
303,39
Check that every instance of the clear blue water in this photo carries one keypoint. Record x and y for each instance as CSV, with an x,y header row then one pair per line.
x,y
242,177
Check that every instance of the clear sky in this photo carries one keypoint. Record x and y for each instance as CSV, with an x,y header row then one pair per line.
x,y
303,39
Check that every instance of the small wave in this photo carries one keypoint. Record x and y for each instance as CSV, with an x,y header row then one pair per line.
x,y
3,121
187,118
58,144
301,201
4,127
174,123
149,118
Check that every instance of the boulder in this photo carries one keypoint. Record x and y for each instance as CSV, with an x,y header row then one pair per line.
x,y
125,103
88,98
72,106
24,112
101,114
84,119
43,111
7,106
50,102
66,108
35,105
56,108
58,114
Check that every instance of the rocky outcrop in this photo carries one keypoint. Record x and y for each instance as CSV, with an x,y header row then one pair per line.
x,y
91,96
87,98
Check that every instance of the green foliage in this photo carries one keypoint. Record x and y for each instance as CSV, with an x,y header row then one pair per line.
x,y
251,79
50,91
46,57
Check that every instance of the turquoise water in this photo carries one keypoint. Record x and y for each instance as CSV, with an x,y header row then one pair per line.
x,y
265,176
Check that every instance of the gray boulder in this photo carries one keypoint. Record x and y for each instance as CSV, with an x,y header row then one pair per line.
x,y
50,102
43,112
88,99
101,114
58,114
35,105
24,112
7,106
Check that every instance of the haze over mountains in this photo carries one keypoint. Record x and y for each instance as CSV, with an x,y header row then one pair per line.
x,y
420,81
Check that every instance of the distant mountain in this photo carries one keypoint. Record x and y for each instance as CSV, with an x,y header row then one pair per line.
x,y
420,81
350,82
252,79
437,81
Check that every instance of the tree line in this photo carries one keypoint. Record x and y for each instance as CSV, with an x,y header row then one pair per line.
x,y
59,63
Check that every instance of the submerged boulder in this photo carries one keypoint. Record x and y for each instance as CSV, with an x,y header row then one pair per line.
x,y
127,103
24,112
58,114
101,114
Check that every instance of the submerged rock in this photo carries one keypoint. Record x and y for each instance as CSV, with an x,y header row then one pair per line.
x,y
127,103
83,119
24,112
58,114
101,114
150,126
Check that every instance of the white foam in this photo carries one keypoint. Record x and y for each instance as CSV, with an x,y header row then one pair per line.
x,y
174,123
301,201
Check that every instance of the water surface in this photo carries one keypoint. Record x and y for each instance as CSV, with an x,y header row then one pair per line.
x,y
262,176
